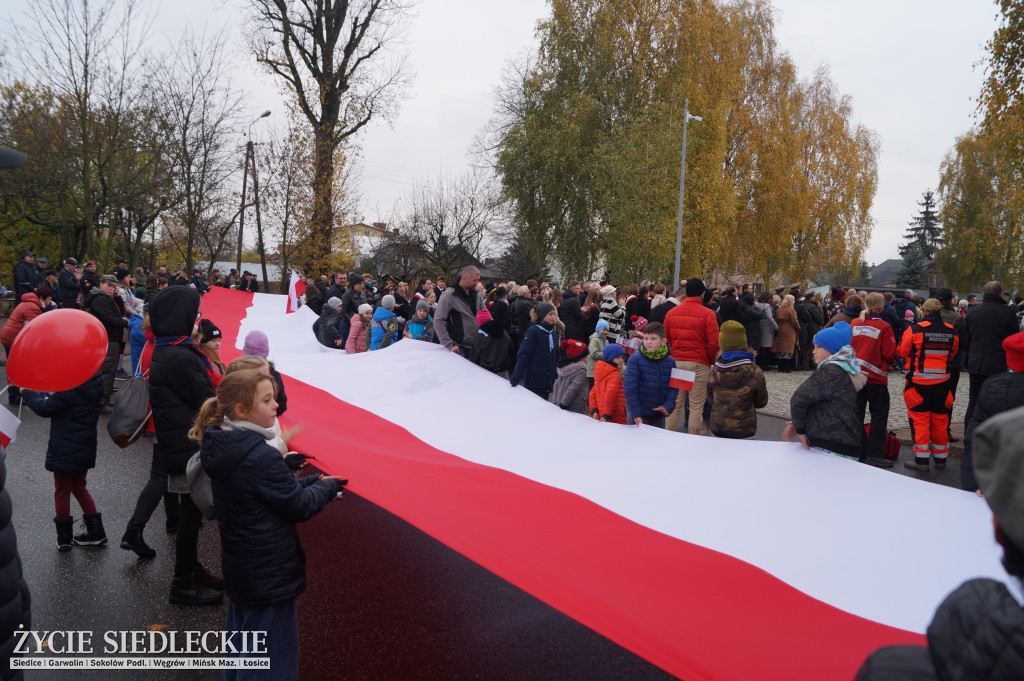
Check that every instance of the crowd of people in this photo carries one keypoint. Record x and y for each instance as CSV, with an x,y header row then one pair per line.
x,y
608,351
690,359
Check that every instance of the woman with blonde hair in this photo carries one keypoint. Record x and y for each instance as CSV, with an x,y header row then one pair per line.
x,y
789,331
875,345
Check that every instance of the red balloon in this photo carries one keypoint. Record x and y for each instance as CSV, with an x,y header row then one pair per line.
x,y
58,350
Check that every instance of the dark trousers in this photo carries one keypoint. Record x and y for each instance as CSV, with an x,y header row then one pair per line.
x,y
109,369
66,484
149,498
281,622
877,396
186,543
656,420
954,381
975,391
763,356
344,329
543,394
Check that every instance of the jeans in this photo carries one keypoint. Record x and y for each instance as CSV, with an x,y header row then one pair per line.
x,y
878,397
149,498
281,622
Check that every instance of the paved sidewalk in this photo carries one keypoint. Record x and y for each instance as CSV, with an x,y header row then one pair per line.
x,y
782,386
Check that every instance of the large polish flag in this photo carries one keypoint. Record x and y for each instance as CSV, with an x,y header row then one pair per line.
x,y
296,287
713,559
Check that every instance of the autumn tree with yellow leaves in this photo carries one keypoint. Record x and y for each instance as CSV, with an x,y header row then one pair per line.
x,y
588,135
981,189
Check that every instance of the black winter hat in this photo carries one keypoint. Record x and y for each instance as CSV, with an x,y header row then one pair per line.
x,y
208,331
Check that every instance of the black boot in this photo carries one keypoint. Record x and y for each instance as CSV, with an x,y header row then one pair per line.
x,y
207,578
64,530
188,591
94,534
133,541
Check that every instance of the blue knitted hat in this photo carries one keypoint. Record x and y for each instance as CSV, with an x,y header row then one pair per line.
x,y
835,337
602,324
611,351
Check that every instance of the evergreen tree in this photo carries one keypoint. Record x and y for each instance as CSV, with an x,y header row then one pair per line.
x,y
924,230
911,275
863,274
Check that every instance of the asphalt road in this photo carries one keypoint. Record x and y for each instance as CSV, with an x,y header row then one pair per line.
x,y
383,600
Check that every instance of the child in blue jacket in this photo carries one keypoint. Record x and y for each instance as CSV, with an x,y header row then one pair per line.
x,y
70,453
649,399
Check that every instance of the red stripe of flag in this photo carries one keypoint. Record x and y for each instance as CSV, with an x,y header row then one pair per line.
x,y
8,427
682,379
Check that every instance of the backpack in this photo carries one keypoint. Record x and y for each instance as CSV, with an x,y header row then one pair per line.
x,y
892,443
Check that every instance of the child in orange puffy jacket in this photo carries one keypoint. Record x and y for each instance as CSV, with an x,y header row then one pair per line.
x,y
607,399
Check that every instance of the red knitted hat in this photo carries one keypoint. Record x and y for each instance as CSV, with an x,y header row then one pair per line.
x,y
639,323
573,348
1014,346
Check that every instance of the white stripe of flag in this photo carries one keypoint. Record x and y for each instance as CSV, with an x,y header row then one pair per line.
x,y
8,427
682,379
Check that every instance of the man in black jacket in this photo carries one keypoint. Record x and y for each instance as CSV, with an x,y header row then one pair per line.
x,y
986,326
90,281
521,307
350,302
106,304
69,284
659,311
27,277
337,288
571,312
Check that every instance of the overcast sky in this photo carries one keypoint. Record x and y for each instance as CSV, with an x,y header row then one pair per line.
x,y
911,67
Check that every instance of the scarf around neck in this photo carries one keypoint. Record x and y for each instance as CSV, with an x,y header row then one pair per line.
x,y
657,355
846,359
173,340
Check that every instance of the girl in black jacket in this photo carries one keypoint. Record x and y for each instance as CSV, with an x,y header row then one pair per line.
x,y
258,502
70,454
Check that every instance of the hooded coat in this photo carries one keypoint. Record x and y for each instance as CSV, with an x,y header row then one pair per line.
x,y
258,503
178,380
571,314
736,389
607,398
824,408
73,417
329,330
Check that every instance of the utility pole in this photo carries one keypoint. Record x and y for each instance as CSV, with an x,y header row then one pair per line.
x,y
682,183
249,158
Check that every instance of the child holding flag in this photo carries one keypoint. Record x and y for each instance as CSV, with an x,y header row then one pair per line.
x,y
647,381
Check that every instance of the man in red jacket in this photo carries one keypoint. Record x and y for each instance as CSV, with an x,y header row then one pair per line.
x,y
692,332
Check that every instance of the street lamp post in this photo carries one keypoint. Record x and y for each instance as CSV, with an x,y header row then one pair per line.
x,y
249,158
682,182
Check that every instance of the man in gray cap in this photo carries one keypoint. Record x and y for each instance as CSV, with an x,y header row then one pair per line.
x,y
978,631
69,284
